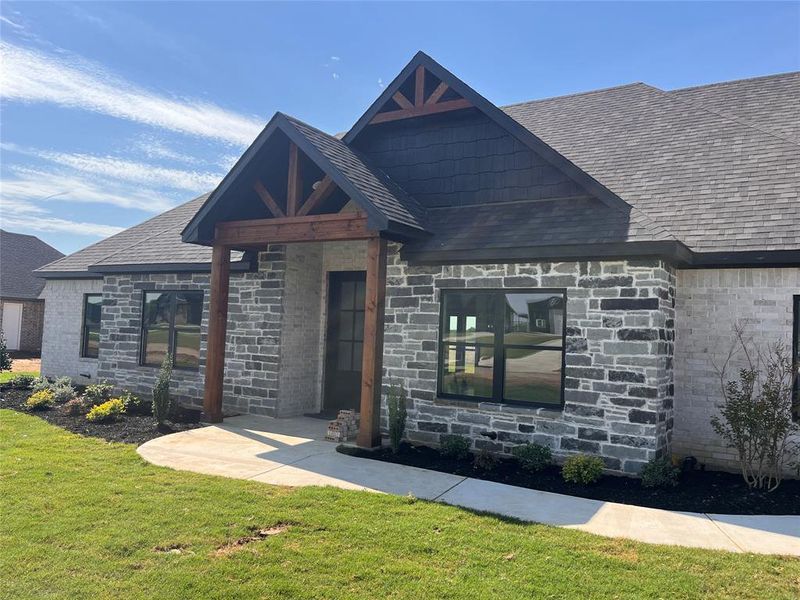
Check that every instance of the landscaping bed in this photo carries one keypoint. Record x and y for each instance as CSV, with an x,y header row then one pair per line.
x,y
131,429
697,490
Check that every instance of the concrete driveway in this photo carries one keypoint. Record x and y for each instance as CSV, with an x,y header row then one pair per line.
x,y
292,452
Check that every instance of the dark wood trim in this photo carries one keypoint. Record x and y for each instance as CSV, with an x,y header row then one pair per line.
x,y
315,228
369,433
419,86
318,196
437,93
294,186
217,325
421,111
268,200
402,101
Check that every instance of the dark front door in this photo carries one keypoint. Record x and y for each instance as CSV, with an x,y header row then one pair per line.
x,y
345,341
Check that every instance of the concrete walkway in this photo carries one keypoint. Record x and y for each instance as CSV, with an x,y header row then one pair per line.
x,y
293,452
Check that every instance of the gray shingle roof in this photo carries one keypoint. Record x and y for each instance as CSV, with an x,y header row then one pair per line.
x,y
19,255
715,183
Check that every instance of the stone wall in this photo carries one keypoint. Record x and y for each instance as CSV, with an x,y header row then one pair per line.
x,y
709,302
61,337
619,347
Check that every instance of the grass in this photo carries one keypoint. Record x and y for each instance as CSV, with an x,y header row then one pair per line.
x,y
6,376
81,518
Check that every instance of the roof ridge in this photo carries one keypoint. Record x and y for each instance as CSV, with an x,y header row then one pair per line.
x,y
573,95
730,81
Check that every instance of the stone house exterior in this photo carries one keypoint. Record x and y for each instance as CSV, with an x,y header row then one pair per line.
x,y
523,278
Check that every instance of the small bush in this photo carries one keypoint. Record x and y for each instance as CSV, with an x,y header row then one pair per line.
x,y
582,469
396,403
41,383
62,381
134,405
62,392
660,473
41,400
23,381
533,457
162,403
107,411
454,446
98,393
75,407
5,357
485,461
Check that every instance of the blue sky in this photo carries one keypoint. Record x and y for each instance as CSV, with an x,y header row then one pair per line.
x,y
113,112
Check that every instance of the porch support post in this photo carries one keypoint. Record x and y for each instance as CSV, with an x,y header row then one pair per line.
x,y
369,434
217,325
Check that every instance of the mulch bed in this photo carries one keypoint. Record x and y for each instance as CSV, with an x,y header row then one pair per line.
x,y
131,429
698,491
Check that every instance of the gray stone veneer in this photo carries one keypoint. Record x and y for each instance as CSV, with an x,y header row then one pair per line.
x,y
619,388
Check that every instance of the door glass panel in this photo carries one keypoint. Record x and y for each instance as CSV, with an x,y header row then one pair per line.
x,y
344,357
358,326
534,319
467,370
346,325
469,318
348,294
358,348
361,292
532,375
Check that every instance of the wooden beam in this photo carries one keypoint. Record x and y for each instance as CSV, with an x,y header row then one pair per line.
x,y
217,324
294,186
369,432
437,93
257,233
318,196
401,100
419,86
268,200
419,111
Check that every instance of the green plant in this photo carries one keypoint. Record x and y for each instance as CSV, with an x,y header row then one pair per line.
x,y
41,400
98,393
396,403
454,446
582,469
107,411
533,457
755,416
162,402
5,356
134,404
63,391
41,383
75,407
485,461
660,473
22,381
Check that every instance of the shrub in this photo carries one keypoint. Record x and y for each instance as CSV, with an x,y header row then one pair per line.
x,y
62,381
454,446
162,403
396,403
5,357
62,391
582,469
660,473
98,393
41,383
134,404
107,411
533,457
41,400
23,381
485,461
75,407
755,417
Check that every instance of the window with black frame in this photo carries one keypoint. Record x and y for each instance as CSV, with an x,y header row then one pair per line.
x,y
171,324
502,346
90,330
796,344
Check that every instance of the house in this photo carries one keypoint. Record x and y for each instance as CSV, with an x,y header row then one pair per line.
x,y
21,309
566,271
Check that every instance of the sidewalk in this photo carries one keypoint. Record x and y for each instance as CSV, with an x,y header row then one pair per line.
x,y
292,452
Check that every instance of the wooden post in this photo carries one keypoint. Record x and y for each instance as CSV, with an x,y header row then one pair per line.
x,y
294,185
369,434
217,325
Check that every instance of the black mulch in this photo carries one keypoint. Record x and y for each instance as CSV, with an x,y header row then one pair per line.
x,y
698,491
131,429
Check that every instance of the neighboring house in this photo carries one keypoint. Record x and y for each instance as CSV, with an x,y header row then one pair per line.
x,y
565,271
21,309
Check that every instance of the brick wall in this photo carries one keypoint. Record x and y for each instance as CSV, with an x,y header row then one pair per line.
x,y
709,302
32,323
61,337
620,319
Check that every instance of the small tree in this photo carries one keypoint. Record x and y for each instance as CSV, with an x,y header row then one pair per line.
x,y
756,412
396,403
5,357
162,402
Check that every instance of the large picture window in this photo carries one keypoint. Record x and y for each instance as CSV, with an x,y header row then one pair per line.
x,y
502,346
90,330
171,323
796,344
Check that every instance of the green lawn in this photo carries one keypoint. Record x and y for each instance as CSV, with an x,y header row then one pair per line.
x,y
6,376
80,518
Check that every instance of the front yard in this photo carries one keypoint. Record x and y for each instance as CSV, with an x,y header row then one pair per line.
x,y
82,518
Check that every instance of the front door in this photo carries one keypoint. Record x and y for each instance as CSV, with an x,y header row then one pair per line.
x,y
345,340
12,324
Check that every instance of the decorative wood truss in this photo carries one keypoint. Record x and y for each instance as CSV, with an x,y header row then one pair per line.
x,y
294,187
421,105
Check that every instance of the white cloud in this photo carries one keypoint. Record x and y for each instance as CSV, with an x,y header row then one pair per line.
x,y
53,224
335,75
11,23
33,76
335,58
380,83
155,148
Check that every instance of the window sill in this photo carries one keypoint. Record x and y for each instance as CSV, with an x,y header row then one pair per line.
x,y
543,412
